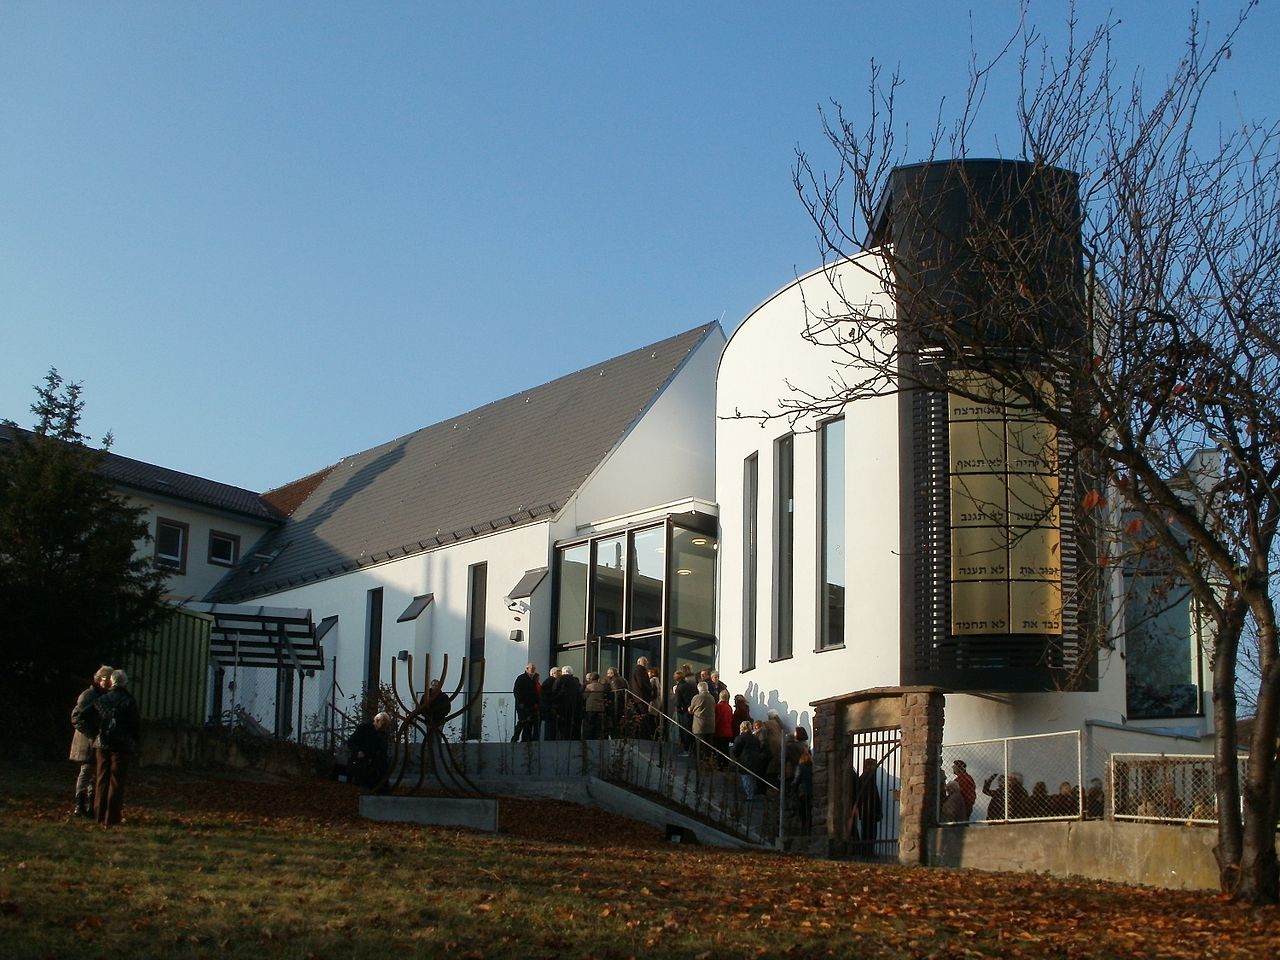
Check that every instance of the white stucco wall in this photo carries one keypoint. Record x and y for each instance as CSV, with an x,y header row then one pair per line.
x,y
442,628
201,575
766,359
668,455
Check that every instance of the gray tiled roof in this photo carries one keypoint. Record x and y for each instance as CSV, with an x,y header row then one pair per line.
x,y
505,464
148,478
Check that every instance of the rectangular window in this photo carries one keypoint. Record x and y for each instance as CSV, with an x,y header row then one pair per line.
x,y
224,548
477,599
648,573
609,579
832,583
171,544
1162,649
373,640
784,504
750,558
573,568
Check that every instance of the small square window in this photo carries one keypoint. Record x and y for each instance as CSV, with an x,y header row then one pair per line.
x,y
224,548
171,544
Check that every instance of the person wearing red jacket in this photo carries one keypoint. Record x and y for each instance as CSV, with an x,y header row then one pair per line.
x,y
724,725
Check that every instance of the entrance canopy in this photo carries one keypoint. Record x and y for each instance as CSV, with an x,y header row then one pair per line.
x,y
249,636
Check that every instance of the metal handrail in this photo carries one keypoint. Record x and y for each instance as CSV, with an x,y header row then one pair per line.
x,y
768,785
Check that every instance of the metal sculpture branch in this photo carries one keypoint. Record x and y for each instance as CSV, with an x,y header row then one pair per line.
x,y
419,728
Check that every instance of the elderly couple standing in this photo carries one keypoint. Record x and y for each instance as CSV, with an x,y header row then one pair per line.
x,y
108,730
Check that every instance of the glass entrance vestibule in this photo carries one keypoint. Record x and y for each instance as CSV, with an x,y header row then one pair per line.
x,y
646,590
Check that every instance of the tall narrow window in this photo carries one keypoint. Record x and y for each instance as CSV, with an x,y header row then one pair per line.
x,y
833,575
784,546
648,572
750,558
373,640
574,568
477,597
609,584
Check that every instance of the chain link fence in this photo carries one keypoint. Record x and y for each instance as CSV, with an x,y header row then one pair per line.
x,y
1177,789
1035,777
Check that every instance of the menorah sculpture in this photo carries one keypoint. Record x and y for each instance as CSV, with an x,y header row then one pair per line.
x,y
425,717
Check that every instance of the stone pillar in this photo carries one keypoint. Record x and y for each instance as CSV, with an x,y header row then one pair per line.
x,y
922,717
826,736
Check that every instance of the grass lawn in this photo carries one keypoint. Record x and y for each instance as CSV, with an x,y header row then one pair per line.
x,y
207,865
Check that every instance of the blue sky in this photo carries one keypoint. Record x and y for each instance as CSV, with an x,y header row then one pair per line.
x,y
268,235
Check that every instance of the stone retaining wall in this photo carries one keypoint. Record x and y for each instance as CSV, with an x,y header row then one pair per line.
x,y
1161,855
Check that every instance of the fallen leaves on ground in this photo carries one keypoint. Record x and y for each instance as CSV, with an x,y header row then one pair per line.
x,y
257,865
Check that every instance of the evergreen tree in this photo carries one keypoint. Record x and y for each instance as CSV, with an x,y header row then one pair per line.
x,y
75,590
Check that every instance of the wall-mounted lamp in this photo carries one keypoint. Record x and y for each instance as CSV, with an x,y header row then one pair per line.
x,y
517,636
402,656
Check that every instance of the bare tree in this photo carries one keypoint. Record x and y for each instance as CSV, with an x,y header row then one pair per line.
x,y
1160,342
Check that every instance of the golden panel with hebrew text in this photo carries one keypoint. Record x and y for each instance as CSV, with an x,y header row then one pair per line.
x,y
1033,500
979,553
1033,447
1035,607
979,607
1035,553
977,446
978,499
988,401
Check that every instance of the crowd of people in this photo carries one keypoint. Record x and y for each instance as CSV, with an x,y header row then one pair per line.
x,y
711,726
107,733
1008,798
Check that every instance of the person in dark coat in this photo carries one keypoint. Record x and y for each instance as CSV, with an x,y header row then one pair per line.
x,y
569,705
617,702
996,806
436,705
865,810
641,690
682,693
368,751
549,705
115,747
747,751
83,719
527,691
802,780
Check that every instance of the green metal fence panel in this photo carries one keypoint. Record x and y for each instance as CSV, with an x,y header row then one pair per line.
x,y
169,676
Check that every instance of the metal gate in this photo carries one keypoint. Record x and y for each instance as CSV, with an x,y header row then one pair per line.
x,y
872,807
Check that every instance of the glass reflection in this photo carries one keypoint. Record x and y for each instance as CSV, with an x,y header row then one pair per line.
x,y
648,567
693,569
571,623
610,574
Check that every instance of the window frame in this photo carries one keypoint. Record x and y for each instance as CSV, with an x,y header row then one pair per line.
x,y
750,559
233,539
177,564
824,535
782,646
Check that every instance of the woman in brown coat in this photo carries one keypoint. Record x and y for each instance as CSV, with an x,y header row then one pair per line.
x,y
82,741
